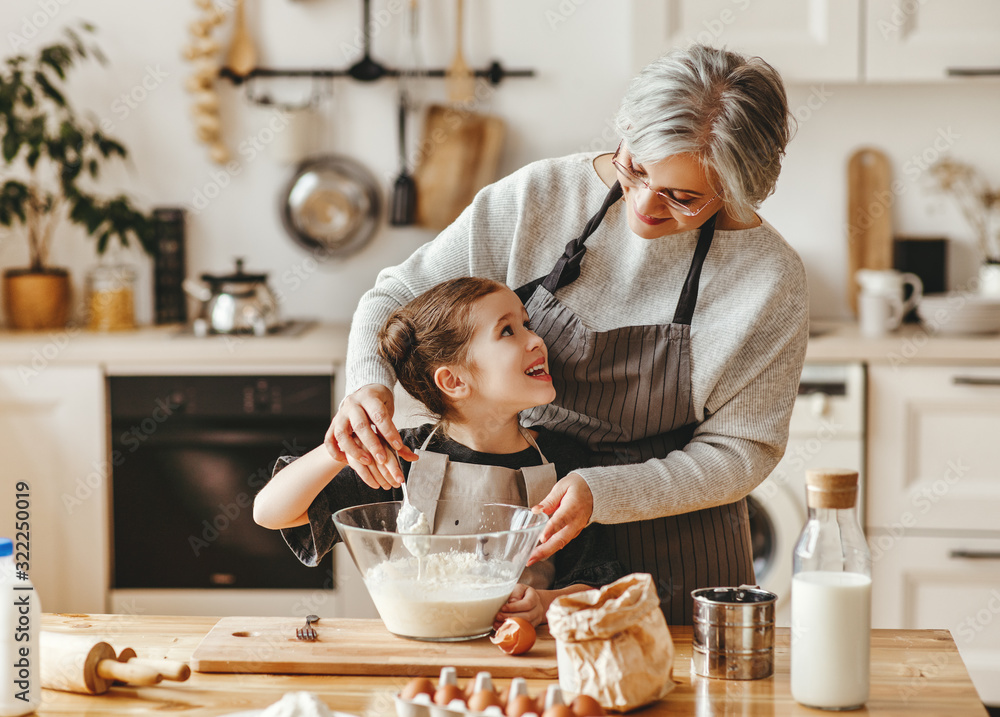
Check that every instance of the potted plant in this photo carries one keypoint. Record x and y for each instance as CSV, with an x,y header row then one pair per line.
x,y
52,156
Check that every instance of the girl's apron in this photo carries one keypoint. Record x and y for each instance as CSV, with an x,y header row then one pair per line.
x,y
436,477
626,393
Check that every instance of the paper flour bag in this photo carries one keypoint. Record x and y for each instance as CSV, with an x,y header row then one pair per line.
x,y
613,643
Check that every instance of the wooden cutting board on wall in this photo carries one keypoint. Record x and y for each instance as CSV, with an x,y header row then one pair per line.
x,y
869,216
259,645
459,155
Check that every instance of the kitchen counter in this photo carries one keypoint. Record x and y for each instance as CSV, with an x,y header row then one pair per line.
x,y
170,346
912,344
327,344
914,672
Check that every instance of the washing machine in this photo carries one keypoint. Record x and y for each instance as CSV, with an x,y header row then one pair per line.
x,y
826,431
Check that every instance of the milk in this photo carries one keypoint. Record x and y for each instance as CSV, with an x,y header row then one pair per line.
x,y
20,622
831,629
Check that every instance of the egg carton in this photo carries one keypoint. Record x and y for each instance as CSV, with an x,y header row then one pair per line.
x,y
423,705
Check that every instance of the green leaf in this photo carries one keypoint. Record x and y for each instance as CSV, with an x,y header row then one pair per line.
x,y
11,145
33,156
93,168
102,242
51,92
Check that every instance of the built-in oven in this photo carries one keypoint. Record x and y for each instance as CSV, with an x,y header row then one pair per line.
x,y
188,454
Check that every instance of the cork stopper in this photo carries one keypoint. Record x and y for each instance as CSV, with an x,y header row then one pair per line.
x,y
831,488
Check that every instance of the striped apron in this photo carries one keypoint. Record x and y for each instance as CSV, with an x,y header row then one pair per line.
x,y
626,393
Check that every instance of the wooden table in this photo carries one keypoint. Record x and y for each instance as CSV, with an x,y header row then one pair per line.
x,y
914,673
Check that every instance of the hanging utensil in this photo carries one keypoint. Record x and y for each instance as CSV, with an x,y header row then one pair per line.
x,y
404,192
366,69
242,57
460,80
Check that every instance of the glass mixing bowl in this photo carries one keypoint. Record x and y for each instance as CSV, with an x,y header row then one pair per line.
x,y
443,587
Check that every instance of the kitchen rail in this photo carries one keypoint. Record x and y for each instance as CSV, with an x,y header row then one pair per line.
x,y
914,673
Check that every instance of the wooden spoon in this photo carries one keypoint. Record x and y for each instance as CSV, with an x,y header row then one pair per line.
x,y
242,57
460,80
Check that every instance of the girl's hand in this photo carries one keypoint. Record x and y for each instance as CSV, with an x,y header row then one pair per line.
x,y
569,506
525,603
360,433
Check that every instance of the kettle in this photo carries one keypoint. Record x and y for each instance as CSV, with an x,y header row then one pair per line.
x,y
235,303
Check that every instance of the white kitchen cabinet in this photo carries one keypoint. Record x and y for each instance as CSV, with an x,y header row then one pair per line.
x,y
922,41
929,467
950,583
829,40
806,41
53,437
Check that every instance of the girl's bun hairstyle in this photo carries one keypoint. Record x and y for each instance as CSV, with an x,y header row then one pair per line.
x,y
431,331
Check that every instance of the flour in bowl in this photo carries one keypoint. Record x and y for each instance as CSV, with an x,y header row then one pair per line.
x,y
456,595
298,704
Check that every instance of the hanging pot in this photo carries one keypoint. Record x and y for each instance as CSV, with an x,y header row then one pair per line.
x,y
332,204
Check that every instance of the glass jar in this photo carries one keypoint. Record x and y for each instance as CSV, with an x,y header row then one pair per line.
x,y
110,298
831,597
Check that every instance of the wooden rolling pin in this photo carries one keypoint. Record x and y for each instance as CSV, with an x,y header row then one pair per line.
x,y
74,663
170,669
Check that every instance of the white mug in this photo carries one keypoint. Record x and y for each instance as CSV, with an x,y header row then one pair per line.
x,y
879,314
889,282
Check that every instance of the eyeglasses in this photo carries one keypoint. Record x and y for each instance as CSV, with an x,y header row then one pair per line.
x,y
683,206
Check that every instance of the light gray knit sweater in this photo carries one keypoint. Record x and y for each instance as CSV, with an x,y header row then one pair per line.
x,y
748,334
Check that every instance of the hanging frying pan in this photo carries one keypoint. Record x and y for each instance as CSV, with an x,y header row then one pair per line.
x,y
332,203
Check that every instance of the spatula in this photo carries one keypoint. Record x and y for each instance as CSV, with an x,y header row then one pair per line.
x,y
460,80
242,58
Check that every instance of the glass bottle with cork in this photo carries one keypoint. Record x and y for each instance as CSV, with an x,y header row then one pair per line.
x,y
831,597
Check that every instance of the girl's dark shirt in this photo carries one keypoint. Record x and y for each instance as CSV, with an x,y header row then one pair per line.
x,y
588,559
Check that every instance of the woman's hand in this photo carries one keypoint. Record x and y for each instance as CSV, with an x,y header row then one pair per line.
x,y
361,432
569,506
525,603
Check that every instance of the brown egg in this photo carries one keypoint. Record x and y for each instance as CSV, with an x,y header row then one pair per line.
x,y
558,711
586,706
483,699
447,693
417,686
521,705
515,636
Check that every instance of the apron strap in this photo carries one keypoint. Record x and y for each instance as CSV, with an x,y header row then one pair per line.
x,y
567,269
524,432
689,294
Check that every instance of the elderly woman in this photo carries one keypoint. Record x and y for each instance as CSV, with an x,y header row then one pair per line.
x,y
676,319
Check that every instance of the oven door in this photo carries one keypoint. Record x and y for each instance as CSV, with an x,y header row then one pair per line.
x,y
183,505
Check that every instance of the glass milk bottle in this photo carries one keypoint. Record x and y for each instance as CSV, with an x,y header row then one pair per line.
x,y
20,623
831,597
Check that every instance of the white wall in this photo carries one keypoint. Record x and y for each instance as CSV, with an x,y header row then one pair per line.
x,y
582,64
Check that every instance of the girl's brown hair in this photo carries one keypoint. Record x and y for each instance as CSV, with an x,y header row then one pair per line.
x,y
432,330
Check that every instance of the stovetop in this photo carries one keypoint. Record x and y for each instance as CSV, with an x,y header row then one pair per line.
x,y
288,328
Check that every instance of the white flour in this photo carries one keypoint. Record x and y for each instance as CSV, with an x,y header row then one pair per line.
x,y
456,595
298,704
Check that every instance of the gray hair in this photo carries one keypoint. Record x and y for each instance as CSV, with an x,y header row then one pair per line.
x,y
729,110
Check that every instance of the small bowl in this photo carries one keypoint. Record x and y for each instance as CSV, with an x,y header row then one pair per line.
x,y
464,573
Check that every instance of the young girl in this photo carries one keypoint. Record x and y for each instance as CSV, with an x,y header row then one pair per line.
x,y
466,350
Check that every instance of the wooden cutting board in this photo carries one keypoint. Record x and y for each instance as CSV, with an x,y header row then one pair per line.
x,y
869,216
459,155
258,645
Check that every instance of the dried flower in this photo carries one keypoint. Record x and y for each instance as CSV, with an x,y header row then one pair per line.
x,y
979,203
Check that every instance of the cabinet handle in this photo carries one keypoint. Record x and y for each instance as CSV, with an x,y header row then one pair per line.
x,y
975,554
976,380
973,71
